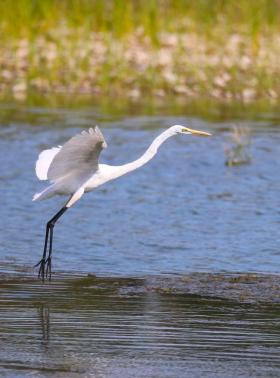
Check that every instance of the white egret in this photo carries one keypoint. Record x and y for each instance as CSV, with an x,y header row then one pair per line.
x,y
73,169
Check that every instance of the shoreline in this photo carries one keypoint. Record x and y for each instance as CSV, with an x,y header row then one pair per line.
x,y
212,110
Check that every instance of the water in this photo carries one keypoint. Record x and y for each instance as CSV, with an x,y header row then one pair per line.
x,y
80,328
185,211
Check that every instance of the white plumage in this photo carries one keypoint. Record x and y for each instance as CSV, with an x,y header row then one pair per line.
x,y
74,169
69,167
44,161
78,156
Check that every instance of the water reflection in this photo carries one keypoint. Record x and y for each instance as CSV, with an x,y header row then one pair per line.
x,y
89,326
182,218
44,318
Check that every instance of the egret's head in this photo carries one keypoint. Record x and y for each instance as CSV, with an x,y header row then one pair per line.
x,y
178,129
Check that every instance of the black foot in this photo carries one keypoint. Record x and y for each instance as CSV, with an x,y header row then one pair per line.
x,y
49,268
45,269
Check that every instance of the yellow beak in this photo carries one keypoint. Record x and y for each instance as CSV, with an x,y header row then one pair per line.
x,y
196,132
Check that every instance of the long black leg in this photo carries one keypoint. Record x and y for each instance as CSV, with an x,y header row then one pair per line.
x,y
49,259
41,272
49,232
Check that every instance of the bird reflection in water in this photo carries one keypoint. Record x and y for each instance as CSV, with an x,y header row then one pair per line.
x,y
44,319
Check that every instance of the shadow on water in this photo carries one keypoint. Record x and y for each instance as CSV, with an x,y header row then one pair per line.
x,y
113,327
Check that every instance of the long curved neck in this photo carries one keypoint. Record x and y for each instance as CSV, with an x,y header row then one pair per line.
x,y
147,156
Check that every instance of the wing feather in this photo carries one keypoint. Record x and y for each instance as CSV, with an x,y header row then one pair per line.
x,y
78,157
44,161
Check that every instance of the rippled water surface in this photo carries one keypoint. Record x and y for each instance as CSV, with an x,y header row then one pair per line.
x,y
185,211
78,327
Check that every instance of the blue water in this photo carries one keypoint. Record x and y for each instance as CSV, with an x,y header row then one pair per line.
x,y
185,211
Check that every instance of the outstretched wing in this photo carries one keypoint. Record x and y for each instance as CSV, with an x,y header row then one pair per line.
x,y
78,157
44,161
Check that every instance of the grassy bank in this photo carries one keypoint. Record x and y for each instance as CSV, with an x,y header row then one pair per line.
x,y
219,49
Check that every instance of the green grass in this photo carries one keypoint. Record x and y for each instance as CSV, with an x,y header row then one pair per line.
x,y
52,45
27,18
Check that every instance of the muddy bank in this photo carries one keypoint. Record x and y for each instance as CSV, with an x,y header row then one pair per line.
x,y
245,288
240,287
